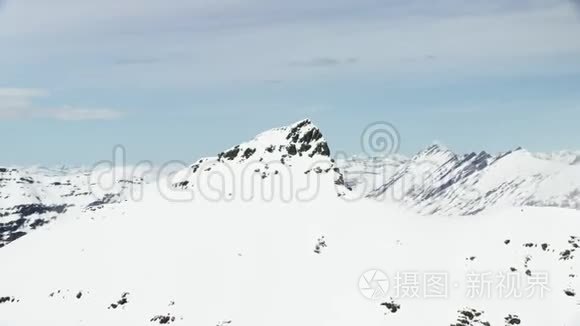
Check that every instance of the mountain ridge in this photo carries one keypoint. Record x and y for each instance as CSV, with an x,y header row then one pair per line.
x,y
435,180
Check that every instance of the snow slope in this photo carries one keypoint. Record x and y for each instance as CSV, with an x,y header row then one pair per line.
x,y
222,245
204,263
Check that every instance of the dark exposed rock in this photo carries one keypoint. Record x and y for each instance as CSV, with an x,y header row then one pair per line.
x,y
512,320
295,131
194,167
121,302
470,317
527,260
340,182
106,200
229,155
304,148
321,243
248,153
30,209
16,228
292,149
182,184
566,255
38,223
322,149
26,180
8,300
161,319
391,306
311,135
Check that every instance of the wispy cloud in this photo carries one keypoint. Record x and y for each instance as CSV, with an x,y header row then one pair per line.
x,y
18,103
137,61
78,114
324,62
273,81
22,92
187,43
313,109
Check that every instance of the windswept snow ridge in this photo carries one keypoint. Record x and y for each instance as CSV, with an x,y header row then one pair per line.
x,y
438,181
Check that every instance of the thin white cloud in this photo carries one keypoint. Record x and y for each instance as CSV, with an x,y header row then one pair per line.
x,y
324,62
22,92
18,103
137,61
157,44
78,114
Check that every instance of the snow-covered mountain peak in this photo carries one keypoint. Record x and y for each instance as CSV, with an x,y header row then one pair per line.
x,y
435,153
302,138
294,152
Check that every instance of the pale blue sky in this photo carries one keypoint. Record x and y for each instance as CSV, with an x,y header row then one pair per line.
x,y
182,79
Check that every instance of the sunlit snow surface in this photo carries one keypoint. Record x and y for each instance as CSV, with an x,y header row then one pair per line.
x,y
254,264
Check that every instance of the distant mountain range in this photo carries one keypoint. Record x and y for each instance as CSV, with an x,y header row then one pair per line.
x,y
438,181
